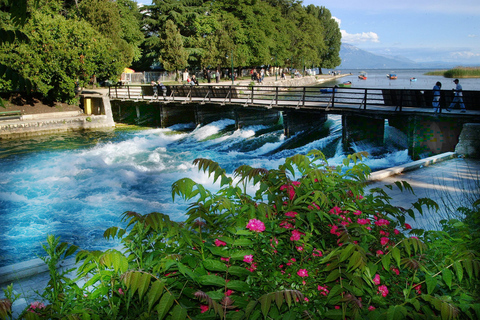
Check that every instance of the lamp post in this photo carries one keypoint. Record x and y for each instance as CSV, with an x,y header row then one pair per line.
x,y
276,67
232,68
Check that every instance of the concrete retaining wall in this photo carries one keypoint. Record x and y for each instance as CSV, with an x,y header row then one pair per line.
x,y
469,141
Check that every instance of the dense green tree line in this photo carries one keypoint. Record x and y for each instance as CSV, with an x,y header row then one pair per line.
x,y
57,44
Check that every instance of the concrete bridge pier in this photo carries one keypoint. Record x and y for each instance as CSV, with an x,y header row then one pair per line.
x,y
358,128
295,121
428,135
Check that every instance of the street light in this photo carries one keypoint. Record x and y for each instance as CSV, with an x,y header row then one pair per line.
x,y
276,67
232,69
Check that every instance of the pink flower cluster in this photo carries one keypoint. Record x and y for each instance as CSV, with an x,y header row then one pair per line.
x,y
383,290
290,189
296,235
36,306
323,290
220,243
256,225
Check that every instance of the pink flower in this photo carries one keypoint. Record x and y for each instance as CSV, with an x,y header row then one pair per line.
x,y
220,243
225,259
36,305
314,206
299,248
333,230
229,292
290,189
291,214
383,290
317,253
306,299
418,288
363,221
397,272
253,267
302,273
382,222
286,225
376,279
383,240
371,308
120,291
248,258
203,308
256,225
407,226
296,235
357,212
379,252
413,237
396,231
335,210
323,290
337,307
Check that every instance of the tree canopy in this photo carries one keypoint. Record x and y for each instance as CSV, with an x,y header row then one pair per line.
x,y
70,41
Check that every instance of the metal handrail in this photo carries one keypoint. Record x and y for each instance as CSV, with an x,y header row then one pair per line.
x,y
301,97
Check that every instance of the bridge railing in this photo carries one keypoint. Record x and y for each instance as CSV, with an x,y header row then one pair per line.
x,y
297,97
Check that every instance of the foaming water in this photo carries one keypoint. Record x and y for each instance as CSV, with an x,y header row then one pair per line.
x,y
77,185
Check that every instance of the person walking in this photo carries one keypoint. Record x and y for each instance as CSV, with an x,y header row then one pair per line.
x,y
436,97
458,98
217,76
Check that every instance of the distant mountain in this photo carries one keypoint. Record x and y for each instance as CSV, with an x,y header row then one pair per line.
x,y
355,58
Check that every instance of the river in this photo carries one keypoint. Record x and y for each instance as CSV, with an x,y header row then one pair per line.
x,y
75,185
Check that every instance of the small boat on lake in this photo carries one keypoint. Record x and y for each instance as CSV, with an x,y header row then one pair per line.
x,y
362,76
392,76
328,90
413,79
346,84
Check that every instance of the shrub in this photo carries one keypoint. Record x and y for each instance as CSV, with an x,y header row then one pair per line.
x,y
313,247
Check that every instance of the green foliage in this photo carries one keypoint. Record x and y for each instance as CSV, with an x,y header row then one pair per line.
x,y
173,55
308,243
59,53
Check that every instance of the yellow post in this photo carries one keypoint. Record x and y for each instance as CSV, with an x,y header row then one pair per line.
x,y
88,106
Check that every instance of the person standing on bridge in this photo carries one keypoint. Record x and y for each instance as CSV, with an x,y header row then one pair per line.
x,y
436,96
458,97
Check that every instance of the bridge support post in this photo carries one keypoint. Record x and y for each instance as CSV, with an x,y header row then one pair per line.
x,y
358,128
296,120
428,135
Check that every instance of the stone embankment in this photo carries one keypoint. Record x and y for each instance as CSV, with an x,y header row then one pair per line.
x,y
47,123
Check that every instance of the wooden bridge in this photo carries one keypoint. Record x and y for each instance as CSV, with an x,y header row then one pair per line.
x,y
363,110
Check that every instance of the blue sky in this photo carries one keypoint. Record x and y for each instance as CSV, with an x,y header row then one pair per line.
x,y
420,30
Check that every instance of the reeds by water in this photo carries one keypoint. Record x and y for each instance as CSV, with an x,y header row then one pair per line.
x,y
457,72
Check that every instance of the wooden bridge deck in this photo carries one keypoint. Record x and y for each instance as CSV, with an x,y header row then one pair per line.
x,y
371,102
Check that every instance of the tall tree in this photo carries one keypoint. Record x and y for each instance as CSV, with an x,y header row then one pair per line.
x,y
332,36
173,55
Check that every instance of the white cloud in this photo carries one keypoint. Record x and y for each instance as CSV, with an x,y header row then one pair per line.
x,y
472,35
359,37
464,55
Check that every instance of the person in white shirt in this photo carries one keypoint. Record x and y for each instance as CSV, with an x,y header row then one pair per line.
x,y
458,97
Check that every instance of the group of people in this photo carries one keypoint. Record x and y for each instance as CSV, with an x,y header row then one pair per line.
x,y
257,76
458,97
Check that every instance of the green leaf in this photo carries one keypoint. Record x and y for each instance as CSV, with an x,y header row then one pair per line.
x,y
334,275
164,305
238,255
431,283
238,285
265,304
396,255
396,313
186,271
447,277
155,293
179,313
214,265
242,242
238,271
459,270
211,280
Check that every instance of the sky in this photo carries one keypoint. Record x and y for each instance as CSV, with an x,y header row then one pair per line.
x,y
420,30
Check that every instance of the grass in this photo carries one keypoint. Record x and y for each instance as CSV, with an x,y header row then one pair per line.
x,y
457,72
